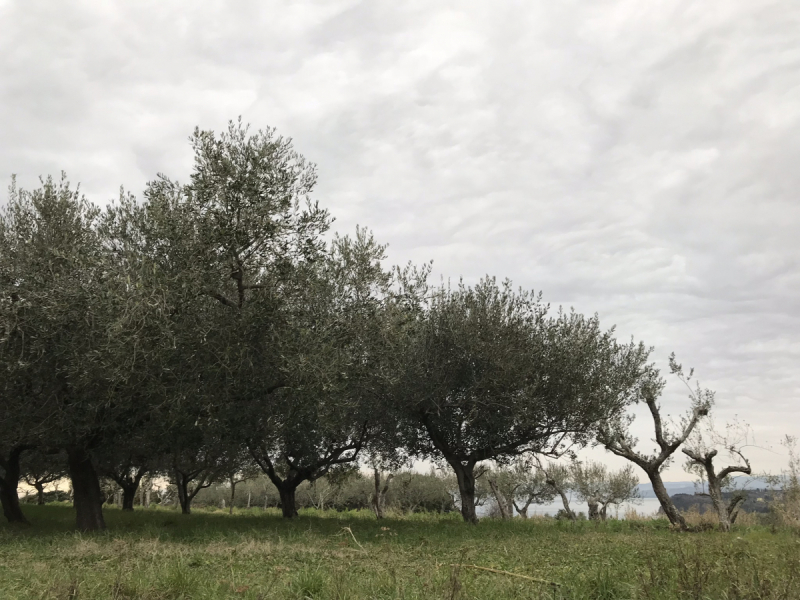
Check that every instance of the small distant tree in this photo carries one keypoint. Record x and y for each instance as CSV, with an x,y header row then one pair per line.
x,y
195,468
518,486
702,450
242,469
591,483
126,465
378,500
559,478
411,492
40,469
615,435
599,487
623,486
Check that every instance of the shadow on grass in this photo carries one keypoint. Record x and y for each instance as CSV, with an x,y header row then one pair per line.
x,y
57,519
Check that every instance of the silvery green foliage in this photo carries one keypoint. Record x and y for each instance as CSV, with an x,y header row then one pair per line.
x,y
599,487
614,434
489,373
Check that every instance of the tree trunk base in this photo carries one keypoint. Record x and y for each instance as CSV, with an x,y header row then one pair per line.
x,y
128,495
11,508
88,499
288,505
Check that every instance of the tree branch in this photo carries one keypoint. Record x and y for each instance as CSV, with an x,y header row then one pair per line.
x,y
222,299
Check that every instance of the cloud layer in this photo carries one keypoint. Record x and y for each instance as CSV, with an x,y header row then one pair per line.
x,y
633,160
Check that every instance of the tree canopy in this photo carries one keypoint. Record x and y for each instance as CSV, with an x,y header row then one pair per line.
x,y
217,326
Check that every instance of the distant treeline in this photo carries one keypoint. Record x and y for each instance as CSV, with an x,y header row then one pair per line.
x,y
214,331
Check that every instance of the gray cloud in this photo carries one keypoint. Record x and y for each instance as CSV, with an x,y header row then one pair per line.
x,y
633,160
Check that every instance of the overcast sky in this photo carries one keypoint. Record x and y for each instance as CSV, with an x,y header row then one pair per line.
x,y
635,159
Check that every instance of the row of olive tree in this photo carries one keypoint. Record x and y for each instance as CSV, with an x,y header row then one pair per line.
x,y
215,325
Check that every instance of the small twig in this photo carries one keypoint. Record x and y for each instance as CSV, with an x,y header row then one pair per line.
x,y
352,535
499,572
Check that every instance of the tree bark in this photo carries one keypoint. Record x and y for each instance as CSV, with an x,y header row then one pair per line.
x,y
129,483
522,511
233,494
715,491
465,475
734,506
184,498
376,498
674,516
288,505
379,498
88,499
128,496
39,493
564,500
9,484
726,513
594,509
502,503
10,501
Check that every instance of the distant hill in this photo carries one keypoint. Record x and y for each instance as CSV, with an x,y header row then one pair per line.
x,y
673,487
687,487
757,501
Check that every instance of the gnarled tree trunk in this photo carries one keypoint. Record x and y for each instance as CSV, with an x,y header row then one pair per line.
x,y
10,501
39,493
288,505
522,510
674,516
594,509
502,503
564,500
734,506
128,496
465,475
9,484
726,513
720,507
379,497
184,496
87,497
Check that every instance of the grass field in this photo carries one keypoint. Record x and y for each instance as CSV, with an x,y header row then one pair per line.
x,y
159,554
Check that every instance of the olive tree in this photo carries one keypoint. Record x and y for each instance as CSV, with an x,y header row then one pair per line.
x,y
599,487
40,468
333,371
517,486
615,435
702,451
559,478
489,375
126,469
57,310
226,251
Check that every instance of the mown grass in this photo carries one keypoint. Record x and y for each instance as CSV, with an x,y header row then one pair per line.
x,y
159,554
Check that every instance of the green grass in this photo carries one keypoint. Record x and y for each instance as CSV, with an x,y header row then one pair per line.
x,y
160,554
